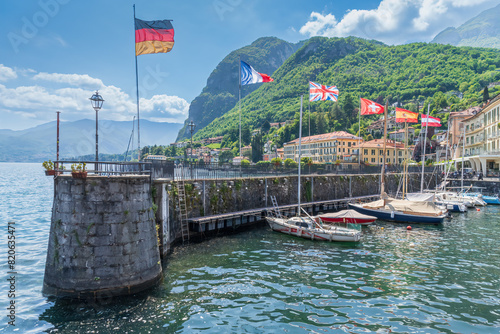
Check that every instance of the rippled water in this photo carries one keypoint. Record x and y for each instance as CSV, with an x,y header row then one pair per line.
x,y
427,280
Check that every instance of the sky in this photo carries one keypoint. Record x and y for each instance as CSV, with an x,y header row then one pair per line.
x,y
54,54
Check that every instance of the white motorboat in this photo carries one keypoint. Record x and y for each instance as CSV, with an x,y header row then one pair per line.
x,y
308,228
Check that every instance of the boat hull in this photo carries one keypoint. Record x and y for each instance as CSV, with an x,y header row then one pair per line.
x,y
280,225
398,217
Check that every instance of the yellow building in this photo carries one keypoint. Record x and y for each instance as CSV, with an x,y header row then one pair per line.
x,y
372,152
327,147
482,139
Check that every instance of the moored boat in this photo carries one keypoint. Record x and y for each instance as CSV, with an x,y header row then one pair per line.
x,y
347,216
402,211
307,228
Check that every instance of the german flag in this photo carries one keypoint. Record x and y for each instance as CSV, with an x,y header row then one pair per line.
x,y
153,36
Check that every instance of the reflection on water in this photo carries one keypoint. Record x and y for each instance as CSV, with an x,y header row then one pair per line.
x,y
427,280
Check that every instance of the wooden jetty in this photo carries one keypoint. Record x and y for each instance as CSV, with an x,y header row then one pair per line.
x,y
233,220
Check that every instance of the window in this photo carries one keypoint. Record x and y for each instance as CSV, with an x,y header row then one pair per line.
x,y
366,152
373,152
373,159
381,152
400,153
349,144
381,160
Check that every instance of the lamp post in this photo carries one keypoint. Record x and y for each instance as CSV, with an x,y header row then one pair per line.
x,y
96,100
191,129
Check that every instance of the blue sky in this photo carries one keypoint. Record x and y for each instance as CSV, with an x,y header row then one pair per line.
x,y
55,53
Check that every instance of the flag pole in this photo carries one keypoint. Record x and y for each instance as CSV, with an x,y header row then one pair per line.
x,y
300,155
137,94
423,159
359,135
239,99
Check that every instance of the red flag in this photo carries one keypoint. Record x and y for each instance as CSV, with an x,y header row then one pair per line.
x,y
370,108
403,115
430,121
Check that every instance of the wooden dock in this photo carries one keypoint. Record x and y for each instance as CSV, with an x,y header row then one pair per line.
x,y
237,219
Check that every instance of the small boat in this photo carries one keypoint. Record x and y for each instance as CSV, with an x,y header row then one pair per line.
x,y
347,216
308,228
440,200
402,211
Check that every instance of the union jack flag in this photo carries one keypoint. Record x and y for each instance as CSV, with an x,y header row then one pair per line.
x,y
322,92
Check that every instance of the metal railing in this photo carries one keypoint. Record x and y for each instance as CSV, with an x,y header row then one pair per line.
x,y
198,171
104,168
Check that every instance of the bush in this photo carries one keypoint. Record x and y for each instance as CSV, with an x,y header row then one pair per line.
x,y
289,163
264,164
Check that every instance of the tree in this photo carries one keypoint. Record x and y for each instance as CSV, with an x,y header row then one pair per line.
x,y
245,135
486,94
245,163
226,156
257,147
266,126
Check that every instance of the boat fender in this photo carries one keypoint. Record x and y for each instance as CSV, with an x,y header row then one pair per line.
x,y
478,209
408,227
392,214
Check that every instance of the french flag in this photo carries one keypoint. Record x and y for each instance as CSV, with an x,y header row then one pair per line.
x,y
430,121
250,76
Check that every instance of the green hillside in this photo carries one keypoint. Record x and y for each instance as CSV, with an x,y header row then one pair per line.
x,y
403,73
221,92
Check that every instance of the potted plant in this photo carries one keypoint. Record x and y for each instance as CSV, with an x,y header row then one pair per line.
x,y
49,168
78,171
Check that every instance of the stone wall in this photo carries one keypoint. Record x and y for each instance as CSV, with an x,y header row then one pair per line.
x,y
102,237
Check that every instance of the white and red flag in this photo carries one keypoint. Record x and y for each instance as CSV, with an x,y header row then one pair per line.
x,y
370,108
430,121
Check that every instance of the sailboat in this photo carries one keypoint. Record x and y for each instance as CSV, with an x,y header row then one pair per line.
x,y
399,210
306,226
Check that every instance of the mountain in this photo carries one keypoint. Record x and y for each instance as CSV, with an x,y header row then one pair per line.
x,y
480,31
368,69
220,94
78,138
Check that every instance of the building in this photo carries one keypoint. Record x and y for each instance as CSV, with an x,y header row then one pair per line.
x,y
399,135
372,152
152,157
246,151
482,139
213,140
324,148
455,128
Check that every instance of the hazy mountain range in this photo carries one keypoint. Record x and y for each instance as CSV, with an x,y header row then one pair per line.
x,y
78,138
480,31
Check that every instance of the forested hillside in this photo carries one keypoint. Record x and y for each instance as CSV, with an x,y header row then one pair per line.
x,y
221,92
412,75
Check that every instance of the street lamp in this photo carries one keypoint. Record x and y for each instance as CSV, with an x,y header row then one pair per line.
x,y
191,129
96,100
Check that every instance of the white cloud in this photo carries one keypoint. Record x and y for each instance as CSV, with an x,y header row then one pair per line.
x,y
395,21
78,80
39,102
7,73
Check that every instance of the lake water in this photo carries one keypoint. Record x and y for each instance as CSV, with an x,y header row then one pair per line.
x,y
427,280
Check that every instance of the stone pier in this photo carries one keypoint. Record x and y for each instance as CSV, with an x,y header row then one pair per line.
x,y
103,238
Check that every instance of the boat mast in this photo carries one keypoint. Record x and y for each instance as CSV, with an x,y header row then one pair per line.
x,y
300,155
382,174
425,143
